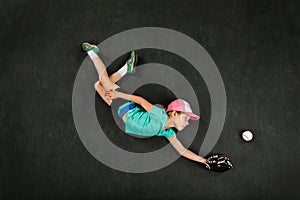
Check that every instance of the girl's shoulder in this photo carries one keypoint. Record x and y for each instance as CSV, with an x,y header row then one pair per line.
x,y
157,112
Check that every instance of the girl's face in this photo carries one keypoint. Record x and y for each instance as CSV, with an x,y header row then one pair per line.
x,y
181,121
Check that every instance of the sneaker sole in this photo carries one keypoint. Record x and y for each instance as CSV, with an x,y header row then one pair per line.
x,y
135,61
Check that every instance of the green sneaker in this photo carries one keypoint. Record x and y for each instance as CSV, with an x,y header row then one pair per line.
x,y
88,47
131,62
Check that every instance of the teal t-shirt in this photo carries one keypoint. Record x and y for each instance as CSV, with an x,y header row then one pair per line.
x,y
142,123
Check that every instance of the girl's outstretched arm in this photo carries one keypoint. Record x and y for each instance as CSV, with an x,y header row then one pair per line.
x,y
113,94
185,152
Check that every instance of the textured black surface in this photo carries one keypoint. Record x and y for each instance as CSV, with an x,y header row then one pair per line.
x,y
255,45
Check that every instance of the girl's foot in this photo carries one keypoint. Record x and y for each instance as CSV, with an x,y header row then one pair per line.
x,y
131,62
89,47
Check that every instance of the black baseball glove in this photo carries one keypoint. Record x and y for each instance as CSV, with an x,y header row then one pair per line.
x,y
218,163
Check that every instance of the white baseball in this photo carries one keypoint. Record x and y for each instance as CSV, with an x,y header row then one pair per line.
x,y
247,136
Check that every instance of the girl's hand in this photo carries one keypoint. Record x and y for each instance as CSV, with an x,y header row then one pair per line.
x,y
111,94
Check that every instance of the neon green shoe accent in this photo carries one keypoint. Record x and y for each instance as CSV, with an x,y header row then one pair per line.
x,y
131,62
88,47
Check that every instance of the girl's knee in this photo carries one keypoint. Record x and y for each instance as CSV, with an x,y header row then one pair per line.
x,y
96,84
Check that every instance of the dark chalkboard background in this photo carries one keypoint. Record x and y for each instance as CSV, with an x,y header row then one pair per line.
x,y
255,45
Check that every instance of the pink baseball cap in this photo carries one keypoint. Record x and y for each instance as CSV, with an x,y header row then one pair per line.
x,y
183,106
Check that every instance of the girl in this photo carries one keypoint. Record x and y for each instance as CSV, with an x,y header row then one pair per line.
x,y
150,120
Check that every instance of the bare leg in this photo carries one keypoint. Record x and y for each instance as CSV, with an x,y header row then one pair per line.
x,y
103,76
115,77
108,82
104,83
129,67
101,91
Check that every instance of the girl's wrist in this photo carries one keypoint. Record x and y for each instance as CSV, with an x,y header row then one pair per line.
x,y
203,160
118,94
